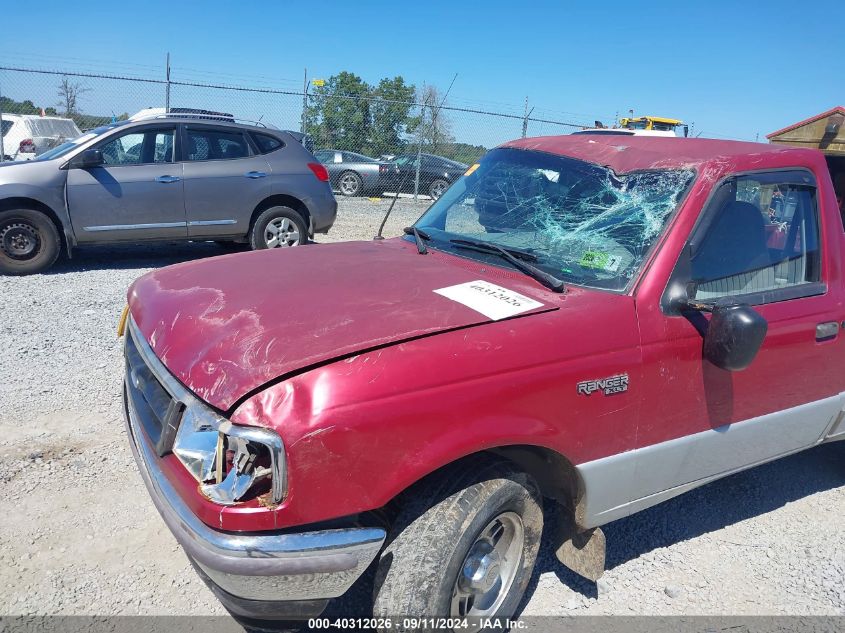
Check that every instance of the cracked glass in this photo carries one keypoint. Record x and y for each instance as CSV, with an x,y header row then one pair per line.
x,y
579,221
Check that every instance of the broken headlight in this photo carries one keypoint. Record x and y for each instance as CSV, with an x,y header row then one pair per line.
x,y
232,463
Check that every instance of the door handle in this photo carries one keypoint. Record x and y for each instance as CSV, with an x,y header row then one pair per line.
x,y
827,331
255,174
166,179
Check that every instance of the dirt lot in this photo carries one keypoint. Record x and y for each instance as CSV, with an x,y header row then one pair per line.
x,y
78,534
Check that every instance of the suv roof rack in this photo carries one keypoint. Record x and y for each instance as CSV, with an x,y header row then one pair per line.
x,y
192,113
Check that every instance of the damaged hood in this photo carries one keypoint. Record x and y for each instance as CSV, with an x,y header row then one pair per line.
x,y
227,325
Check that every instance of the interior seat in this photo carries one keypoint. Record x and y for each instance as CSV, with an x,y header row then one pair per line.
x,y
734,258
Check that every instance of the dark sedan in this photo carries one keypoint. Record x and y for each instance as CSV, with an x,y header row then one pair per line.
x,y
436,174
353,174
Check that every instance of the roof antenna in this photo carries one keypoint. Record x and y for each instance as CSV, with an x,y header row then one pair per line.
x,y
379,235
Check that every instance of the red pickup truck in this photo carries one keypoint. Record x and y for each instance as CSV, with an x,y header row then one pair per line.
x,y
602,322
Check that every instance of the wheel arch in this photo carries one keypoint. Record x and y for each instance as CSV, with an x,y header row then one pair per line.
x,y
555,474
350,171
23,202
285,200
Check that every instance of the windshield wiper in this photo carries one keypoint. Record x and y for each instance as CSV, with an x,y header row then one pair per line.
x,y
518,258
420,237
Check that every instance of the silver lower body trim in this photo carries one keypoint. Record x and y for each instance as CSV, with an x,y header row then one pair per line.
x,y
129,227
211,222
268,566
620,485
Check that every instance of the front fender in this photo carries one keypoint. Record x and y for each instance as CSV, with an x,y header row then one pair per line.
x,y
52,197
353,459
361,430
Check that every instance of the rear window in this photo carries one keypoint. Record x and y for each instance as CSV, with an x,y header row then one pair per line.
x,y
210,144
352,157
7,125
64,128
266,143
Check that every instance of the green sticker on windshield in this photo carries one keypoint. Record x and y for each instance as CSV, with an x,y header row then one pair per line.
x,y
599,260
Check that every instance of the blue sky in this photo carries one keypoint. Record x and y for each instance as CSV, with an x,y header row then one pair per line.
x,y
733,69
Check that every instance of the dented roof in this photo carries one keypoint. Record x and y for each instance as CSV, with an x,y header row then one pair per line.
x,y
632,153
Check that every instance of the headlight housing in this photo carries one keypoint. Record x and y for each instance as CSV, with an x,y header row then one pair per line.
x,y
233,463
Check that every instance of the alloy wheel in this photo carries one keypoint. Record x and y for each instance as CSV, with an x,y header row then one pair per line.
x,y
281,233
349,184
438,188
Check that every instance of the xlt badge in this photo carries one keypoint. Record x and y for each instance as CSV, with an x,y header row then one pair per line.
x,y
608,386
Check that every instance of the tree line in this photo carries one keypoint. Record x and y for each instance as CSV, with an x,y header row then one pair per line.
x,y
391,117
68,106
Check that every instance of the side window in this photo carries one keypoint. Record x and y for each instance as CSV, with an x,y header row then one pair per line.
x,y
324,156
139,148
761,234
124,150
352,157
210,144
163,147
267,143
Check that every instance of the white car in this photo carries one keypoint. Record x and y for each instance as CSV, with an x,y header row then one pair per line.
x,y
25,136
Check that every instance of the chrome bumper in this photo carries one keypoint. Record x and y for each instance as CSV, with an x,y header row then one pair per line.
x,y
262,566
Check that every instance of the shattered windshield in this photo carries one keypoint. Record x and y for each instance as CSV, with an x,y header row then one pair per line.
x,y
583,223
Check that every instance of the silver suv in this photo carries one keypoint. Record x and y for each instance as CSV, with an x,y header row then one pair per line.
x,y
168,177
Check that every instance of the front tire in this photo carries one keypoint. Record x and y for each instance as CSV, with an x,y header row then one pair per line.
x,y
278,227
350,184
464,547
29,242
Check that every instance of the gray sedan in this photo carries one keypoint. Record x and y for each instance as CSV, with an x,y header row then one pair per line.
x,y
165,177
353,174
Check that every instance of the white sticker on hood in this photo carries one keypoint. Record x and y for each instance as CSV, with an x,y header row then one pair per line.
x,y
489,299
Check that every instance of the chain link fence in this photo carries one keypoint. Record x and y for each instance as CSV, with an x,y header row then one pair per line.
x,y
387,121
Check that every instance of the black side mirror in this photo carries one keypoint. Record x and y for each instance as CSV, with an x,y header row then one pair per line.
x,y
89,158
734,335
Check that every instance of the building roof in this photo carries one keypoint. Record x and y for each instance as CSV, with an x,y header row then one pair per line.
x,y
789,128
631,153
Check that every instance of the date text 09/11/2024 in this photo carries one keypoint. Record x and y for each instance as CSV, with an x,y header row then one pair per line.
x,y
418,624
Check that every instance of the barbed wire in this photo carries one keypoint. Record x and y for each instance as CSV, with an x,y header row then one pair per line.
x,y
278,91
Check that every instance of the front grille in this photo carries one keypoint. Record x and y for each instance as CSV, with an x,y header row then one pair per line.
x,y
157,410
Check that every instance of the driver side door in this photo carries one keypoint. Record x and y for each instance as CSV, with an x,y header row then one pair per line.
x,y
704,422
136,194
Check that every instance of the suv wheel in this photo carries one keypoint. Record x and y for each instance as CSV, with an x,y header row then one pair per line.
x,y
437,188
349,184
29,242
278,227
465,547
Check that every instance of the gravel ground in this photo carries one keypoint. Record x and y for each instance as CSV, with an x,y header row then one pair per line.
x,y
78,534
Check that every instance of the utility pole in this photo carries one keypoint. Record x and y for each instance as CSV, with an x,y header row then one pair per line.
x,y
167,89
525,119
304,99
